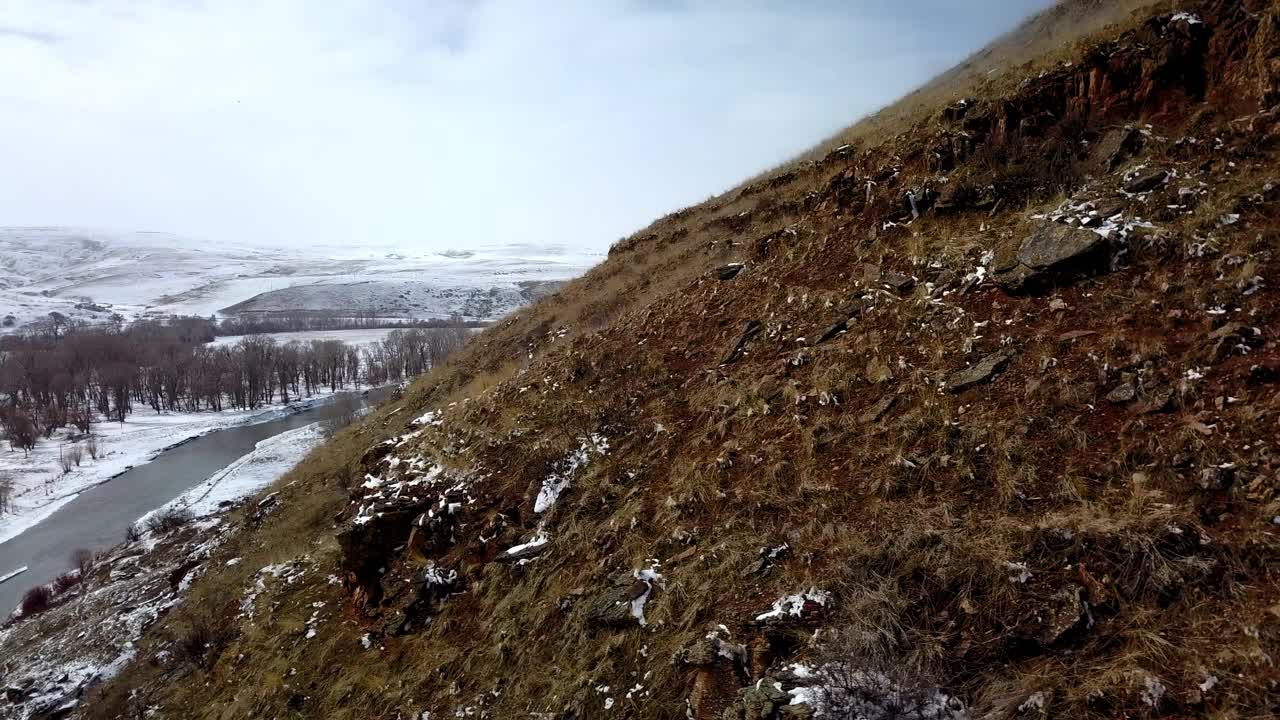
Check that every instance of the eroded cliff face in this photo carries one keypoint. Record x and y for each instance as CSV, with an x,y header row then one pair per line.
x,y
977,422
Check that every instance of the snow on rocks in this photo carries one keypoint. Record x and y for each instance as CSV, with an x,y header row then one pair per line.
x,y
840,690
558,481
525,551
647,579
798,605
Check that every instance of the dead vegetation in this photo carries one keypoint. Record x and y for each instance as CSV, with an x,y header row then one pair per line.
x,y
875,465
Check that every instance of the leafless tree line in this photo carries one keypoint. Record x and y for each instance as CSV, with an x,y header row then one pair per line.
x,y
79,375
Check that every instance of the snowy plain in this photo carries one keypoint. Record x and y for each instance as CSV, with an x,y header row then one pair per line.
x,y
354,338
90,274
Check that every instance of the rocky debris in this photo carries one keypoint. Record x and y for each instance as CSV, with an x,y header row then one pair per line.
x,y
752,328
1125,392
729,272
613,607
1147,182
1067,611
801,606
524,551
898,282
367,543
1116,147
1156,400
1218,477
766,560
978,373
877,410
1052,253
847,314
1232,338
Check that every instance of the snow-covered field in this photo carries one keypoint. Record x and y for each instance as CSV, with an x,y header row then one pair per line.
x,y
40,487
89,275
358,338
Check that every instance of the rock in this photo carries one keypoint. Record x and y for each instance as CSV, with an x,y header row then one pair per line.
x,y
1156,401
1066,611
833,331
523,552
979,372
1052,253
1148,182
612,608
1122,393
897,281
730,271
1216,478
1055,245
1116,147
762,700
877,410
1229,338
752,328
1110,207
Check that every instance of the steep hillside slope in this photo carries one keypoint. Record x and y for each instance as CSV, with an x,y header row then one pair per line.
x,y
974,421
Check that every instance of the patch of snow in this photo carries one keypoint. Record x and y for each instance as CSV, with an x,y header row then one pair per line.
x,y
558,481
651,578
1019,572
793,605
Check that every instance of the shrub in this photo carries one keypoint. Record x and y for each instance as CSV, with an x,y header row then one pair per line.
x,y
91,444
203,641
82,560
65,582
132,534
36,600
167,520
76,454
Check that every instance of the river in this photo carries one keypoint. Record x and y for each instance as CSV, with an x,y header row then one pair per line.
x,y
99,516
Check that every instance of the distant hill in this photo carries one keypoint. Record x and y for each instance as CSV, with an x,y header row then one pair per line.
x,y
90,276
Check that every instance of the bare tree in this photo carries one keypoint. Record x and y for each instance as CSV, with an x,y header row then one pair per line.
x,y
6,493
82,560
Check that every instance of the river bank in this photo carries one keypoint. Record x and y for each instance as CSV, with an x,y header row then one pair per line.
x,y
40,486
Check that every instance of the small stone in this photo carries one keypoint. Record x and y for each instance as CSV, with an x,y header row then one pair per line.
x,y
898,281
1122,393
729,272
978,373
1147,182
877,410
1156,401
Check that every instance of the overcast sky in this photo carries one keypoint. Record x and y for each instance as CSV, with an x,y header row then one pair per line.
x,y
432,124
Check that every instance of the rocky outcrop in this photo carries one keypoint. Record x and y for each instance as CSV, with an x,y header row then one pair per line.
x,y
1052,254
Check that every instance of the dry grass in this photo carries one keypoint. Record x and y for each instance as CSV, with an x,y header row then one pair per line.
x,y
948,529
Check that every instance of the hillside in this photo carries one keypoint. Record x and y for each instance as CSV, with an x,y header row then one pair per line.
x,y
973,416
90,275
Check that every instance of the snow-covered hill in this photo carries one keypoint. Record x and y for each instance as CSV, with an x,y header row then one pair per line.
x,y
90,275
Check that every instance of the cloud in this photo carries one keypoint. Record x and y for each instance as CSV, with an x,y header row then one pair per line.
x,y
432,125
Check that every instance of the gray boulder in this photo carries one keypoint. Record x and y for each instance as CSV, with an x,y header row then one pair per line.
x,y
1052,254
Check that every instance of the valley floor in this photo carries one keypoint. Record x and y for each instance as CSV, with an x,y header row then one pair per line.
x,y
90,632
40,486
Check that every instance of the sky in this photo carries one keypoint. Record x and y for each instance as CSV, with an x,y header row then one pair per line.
x,y
437,124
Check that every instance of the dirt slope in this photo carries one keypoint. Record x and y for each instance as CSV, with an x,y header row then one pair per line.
x,y
976,421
